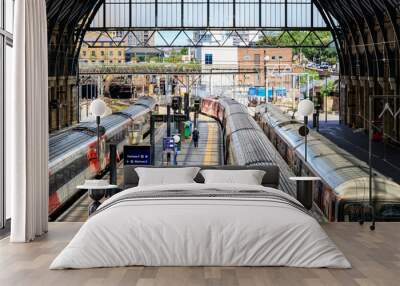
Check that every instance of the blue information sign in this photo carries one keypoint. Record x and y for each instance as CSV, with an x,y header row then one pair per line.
x,y
168,143
137,155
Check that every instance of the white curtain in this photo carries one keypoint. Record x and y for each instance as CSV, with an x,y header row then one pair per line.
x,y
27,124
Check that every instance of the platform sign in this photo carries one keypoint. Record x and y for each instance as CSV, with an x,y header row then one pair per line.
x,y
173,118
137,155
168,143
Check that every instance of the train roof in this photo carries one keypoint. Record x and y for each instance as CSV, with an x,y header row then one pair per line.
x,y
246,136
343,172
84,133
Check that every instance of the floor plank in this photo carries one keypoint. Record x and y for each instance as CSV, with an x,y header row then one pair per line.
x,y
375,257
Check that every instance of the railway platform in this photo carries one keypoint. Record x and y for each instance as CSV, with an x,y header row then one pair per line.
x,y
209,152
386,157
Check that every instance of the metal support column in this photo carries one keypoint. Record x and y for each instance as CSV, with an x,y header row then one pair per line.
x,y
168,129
370,161
113,164
326,100
186,106
152,138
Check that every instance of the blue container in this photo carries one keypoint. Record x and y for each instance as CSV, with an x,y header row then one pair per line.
x,y
280,91
270,92
261,92
252,91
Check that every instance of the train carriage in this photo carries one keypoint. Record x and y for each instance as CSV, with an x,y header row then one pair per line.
x,y
345,181
72,153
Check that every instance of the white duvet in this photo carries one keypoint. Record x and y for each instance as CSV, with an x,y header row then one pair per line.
x,y
207,231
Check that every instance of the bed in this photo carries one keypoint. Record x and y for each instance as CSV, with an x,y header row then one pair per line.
x,y
201,224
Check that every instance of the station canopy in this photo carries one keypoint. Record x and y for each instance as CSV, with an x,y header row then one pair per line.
x,y
365,32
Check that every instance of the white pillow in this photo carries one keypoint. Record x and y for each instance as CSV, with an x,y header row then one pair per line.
x,y
247,177
166,176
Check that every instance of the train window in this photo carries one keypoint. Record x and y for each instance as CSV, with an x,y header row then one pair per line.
x,y
66,174
389,212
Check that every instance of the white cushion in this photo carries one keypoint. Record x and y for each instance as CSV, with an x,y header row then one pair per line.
x,y
247,177
166,176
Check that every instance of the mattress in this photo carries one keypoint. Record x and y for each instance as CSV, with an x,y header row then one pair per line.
x,y
201,225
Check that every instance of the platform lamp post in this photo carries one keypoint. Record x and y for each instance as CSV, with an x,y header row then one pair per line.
x,y
305,109
98,108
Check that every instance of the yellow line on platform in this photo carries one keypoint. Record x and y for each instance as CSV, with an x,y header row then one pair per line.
x,y
208,154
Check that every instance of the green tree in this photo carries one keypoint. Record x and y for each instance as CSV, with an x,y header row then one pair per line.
x,y
327,90
304,38
184,51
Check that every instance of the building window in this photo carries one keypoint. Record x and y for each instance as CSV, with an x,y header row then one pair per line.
x,y
274,57
111,62
208,59
84,53
257,59
119,53
93,53
102,53
111,53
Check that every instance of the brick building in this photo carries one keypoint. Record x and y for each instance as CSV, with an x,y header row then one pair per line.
x,y
277,62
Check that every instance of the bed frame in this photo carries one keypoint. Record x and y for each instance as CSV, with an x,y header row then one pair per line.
x,y
270,179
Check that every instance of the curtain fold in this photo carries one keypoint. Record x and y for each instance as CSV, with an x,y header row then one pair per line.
x,y
27,124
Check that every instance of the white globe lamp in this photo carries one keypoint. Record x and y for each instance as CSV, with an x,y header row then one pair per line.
x,y
98,107
305,107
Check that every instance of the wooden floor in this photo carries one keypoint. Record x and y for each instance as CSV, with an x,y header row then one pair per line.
x,y
375,257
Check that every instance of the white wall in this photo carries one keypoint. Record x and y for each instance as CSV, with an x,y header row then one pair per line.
x,y
223,58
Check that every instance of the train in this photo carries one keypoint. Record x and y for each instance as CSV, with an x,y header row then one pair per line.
x,y
245,143
344,187
73,154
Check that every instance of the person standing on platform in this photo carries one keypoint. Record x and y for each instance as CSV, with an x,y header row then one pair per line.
x,y
195,137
